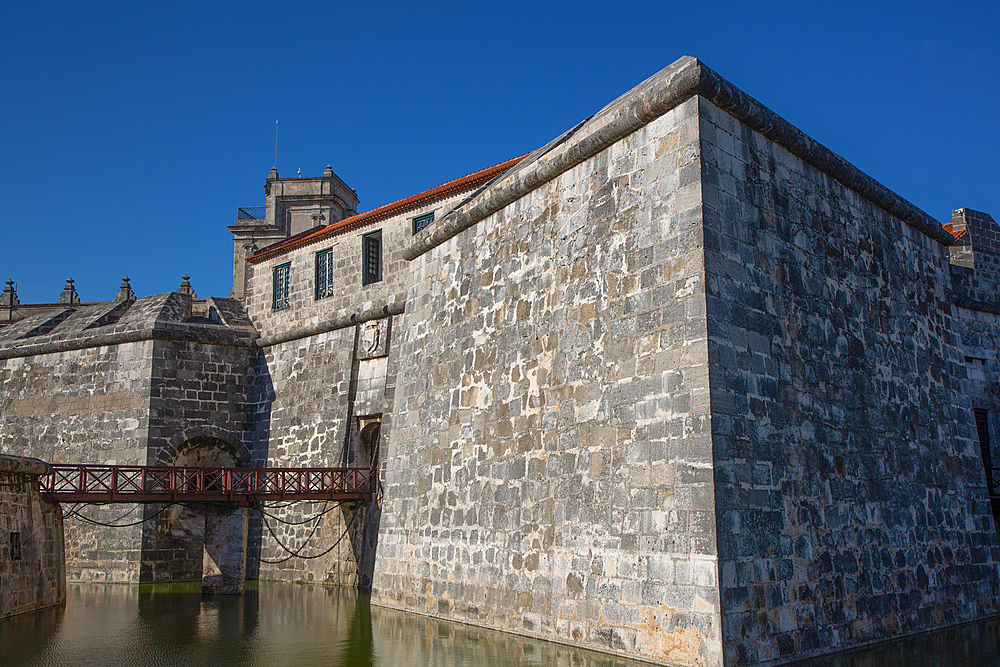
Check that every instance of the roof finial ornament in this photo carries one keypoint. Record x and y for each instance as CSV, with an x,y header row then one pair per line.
x,y
186,288
9,297
327,173
125,292
69,295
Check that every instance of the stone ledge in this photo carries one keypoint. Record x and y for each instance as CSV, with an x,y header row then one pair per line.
x,y
23,465
652,98
340,322
173,331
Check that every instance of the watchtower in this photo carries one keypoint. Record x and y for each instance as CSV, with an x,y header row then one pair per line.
x,y
291,206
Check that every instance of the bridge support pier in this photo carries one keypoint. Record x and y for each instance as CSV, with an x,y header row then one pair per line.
x,y
224,564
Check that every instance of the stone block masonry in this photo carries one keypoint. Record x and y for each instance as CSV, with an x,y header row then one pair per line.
x,y
552,472
680,385
32,559
142,382
849,493
686,385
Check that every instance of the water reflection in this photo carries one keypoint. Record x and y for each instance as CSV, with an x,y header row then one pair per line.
x,y
276,625
295,625
970,644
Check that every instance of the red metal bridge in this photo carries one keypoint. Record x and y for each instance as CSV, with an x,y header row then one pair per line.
x,y
93,483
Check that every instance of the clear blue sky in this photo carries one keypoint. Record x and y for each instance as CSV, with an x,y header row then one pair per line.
x,y
131,132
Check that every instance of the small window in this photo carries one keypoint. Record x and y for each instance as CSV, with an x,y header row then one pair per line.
x,y
422,221
371,258
15,546
280,286
324,273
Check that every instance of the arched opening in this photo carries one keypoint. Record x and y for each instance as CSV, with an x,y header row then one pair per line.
x,y
197,541
368,442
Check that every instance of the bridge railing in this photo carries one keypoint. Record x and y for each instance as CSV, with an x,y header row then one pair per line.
x,y
127,483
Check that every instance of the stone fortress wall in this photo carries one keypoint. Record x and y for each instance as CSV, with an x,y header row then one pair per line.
x,y
125,383
552,471
849,489
833,378
32,560
681,385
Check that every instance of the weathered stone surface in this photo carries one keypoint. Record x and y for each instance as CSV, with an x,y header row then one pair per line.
x,y
135,382
552,467
224,565
32,559
849,495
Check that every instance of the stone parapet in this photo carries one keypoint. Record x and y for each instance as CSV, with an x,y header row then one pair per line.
x,y
662,92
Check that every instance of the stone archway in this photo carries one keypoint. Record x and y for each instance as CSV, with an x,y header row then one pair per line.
x,y
197,541
368,444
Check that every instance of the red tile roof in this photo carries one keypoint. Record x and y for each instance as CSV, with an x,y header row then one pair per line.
x,y
951,231
443,191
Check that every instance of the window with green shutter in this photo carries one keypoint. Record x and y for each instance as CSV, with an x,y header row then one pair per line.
x,y
371,258
422,221
324,273
279,286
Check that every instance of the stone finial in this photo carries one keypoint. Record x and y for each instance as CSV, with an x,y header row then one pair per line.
x,y
327,173
273,174
125,292
9,297
185,287
69,295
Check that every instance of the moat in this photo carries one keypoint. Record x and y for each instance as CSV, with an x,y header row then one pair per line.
x,y
288,624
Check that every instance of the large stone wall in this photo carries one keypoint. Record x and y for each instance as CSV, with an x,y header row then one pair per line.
x,y
850,495
83,406
974,285
551,467
132,382
310,380
327,370
32,559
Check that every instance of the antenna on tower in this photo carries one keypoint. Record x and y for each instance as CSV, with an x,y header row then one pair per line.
x,y
276,145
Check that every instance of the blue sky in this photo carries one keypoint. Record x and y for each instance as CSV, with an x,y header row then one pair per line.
x,y
131,132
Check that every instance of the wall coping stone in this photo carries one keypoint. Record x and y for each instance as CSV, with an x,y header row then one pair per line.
x,y
339,322
652,98
172,331
24,465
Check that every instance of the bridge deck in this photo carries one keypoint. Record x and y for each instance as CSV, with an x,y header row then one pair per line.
x,y
246,486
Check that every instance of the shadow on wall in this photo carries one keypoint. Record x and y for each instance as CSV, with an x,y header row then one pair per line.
x,y
259,426
173,540
362,521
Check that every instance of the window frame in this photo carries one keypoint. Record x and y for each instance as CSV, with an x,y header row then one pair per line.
x,y
324,256
422,221
277,305
371,249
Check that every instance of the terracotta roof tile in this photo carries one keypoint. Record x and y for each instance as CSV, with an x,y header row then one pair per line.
x,y
951,231
443,191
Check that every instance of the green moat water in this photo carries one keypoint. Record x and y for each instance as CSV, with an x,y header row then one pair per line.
x,y
285,624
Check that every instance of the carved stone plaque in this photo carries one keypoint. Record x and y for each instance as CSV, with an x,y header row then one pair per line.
x,y
374,339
